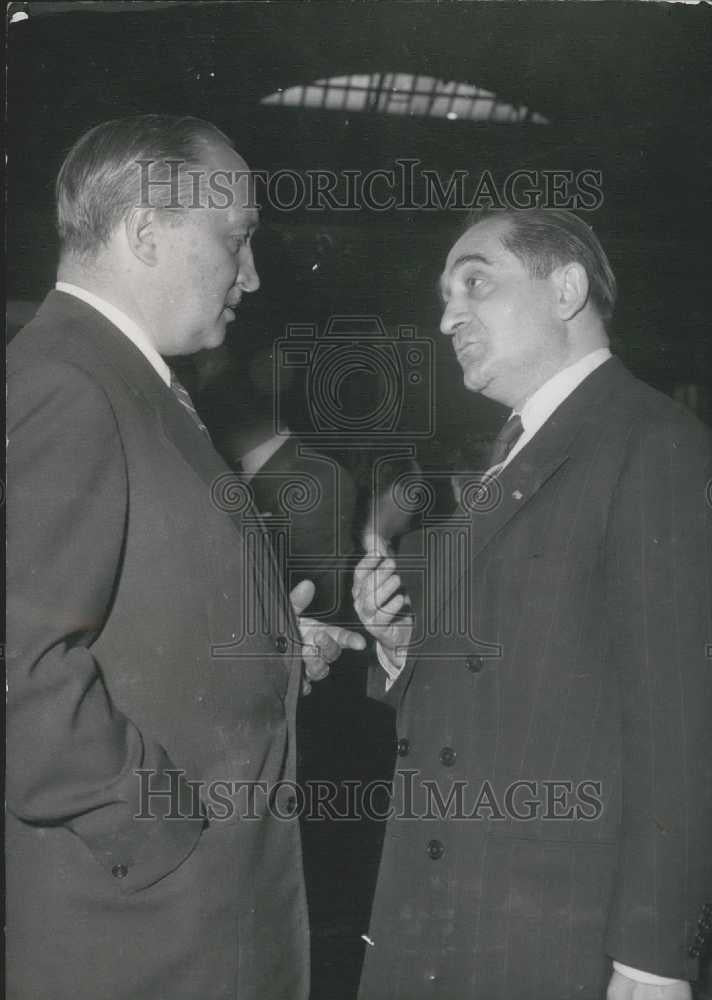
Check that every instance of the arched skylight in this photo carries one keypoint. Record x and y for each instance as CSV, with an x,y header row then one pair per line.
x,y
405,94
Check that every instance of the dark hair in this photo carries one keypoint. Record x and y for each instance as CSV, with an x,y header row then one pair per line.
x,y
545,238
98,183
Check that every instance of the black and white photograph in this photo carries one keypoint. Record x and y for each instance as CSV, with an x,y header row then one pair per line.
x,y
358,500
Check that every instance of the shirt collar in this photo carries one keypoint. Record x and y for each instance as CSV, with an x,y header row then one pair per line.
x,y
539,407
128,327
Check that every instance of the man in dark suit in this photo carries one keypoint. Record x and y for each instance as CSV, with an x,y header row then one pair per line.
x,y
154,663
552,806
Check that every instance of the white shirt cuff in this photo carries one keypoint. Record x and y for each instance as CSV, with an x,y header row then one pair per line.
x,y
392,663
644,977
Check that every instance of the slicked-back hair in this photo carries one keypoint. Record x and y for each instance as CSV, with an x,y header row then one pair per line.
x,y
99,181
546,238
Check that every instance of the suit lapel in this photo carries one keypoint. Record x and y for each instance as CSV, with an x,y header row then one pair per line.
x,y
112,350
507,496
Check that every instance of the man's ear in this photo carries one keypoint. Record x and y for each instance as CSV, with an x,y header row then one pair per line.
x,y
141,234
572,288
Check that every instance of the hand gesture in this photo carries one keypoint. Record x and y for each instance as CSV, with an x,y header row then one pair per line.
x,y
385,613
322,643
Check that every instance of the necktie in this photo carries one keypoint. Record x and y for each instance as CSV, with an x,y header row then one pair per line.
x,y
183,397
505,440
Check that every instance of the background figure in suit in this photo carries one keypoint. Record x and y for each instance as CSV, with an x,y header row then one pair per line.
x,y
554,702
389,516
306,501
148,646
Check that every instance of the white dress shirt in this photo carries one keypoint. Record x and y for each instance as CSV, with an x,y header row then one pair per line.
x,y
539,407
128,327
534,414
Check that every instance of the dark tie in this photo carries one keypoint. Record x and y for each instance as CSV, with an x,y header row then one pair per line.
x,y
505,440
183,397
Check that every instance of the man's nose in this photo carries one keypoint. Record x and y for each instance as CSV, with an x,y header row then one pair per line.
x,y
247,277
452,318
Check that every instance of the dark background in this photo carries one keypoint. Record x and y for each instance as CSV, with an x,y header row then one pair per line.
x,y
627,90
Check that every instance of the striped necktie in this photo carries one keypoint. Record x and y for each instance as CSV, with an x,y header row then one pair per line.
x,y
183,397
505,441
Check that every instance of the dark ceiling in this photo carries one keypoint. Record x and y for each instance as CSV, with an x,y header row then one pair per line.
x,y
582,64
627,89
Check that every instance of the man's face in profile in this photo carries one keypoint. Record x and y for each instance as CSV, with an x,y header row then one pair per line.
x,y
205,256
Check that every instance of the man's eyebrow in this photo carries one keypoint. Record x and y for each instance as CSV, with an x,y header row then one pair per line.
x,y
470,258
465,258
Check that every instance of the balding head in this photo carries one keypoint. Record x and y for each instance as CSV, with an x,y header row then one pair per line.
x,y
156,215
105,174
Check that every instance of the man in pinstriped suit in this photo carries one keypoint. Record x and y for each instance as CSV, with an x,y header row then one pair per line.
x,y
568,716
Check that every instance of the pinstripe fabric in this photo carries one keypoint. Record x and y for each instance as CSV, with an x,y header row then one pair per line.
x,y
591,575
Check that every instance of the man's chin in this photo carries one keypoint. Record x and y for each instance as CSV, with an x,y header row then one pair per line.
x,y
214,337
475,381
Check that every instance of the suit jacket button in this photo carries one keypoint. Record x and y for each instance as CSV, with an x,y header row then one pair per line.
x,y
474,664
281,644
435,849
119,871
403,747
447,756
